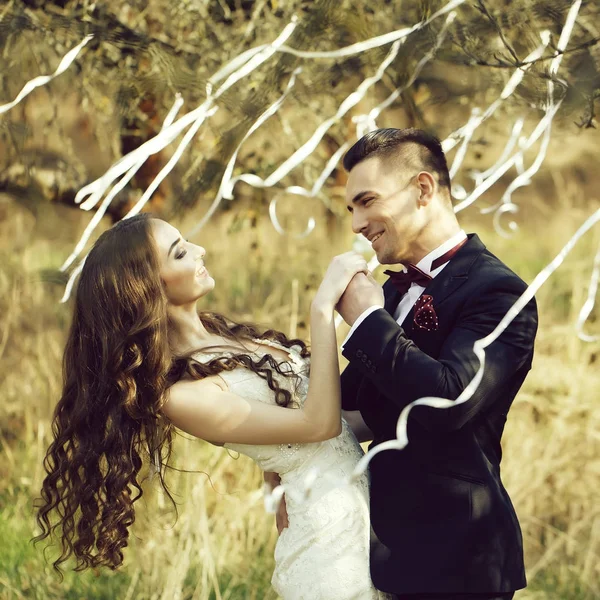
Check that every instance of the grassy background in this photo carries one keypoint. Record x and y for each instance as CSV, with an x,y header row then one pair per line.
x,y
221,545
116,95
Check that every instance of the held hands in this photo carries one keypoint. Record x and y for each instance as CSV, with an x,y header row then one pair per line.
x,y
361,293
340,272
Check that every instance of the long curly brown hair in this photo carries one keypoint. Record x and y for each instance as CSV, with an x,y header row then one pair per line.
x,y
117,367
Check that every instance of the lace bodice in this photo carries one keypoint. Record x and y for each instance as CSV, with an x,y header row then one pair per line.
x,y
324,553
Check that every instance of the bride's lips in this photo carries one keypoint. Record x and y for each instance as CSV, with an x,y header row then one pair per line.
x,y
202,272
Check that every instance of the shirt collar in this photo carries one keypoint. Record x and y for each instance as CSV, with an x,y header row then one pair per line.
x,y
425,263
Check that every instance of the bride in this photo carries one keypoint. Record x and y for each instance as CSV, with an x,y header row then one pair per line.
x,y
141,360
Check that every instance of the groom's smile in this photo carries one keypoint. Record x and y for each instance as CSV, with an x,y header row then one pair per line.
x,y
385,208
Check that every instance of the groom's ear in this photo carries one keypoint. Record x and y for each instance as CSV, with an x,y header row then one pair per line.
x,y
426,184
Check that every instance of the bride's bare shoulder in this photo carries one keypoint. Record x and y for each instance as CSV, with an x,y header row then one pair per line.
x,y
183,387
189,399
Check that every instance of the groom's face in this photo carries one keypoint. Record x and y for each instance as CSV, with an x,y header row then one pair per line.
x,y
384,203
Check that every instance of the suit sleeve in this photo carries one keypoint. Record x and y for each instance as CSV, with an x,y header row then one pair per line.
x,y
350,381
403,373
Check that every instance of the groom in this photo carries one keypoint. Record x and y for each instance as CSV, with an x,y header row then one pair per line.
x,y
443,524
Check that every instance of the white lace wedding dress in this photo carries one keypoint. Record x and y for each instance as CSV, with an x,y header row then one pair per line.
x,y
324,553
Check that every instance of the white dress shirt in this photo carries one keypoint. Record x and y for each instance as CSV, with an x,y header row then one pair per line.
x,y
415,290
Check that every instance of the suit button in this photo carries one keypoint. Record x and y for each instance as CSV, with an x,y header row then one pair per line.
x,y
359,354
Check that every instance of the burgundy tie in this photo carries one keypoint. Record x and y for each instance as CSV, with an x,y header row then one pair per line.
x,y
402,280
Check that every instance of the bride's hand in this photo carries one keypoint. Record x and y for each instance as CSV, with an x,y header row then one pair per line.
x,y
340,272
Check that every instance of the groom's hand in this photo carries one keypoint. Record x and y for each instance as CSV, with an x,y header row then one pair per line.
x,y
281,517
362,293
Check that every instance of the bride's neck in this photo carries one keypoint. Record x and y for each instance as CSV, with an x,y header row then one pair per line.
x,y
186,330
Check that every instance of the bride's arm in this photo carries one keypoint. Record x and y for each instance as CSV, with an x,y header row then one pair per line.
x,y
359,428
207,410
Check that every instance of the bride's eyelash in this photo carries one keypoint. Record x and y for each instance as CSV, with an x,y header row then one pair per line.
x,y
182,253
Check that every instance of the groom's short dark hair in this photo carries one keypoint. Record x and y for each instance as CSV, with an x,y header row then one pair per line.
x,y
412,146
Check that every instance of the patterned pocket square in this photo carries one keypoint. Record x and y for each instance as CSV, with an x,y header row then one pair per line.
x,y
424,315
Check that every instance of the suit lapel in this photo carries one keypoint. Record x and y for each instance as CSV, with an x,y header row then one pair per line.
x,y
442,286
455,273
391,296
377,413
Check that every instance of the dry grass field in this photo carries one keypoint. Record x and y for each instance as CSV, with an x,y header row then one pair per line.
x,y
220,547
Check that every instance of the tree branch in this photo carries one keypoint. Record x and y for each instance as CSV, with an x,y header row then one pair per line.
x,y
587,120
483,9
500,64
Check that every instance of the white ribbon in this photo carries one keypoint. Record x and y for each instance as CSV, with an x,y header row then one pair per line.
x,y
589,303
375,42
227,183
480,345
131,162
41,80
116,189
507,92
367,123
196,117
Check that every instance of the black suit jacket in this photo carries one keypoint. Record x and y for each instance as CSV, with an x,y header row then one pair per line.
x,y
442,520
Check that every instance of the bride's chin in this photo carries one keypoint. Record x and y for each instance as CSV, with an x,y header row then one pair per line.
x,y
207,286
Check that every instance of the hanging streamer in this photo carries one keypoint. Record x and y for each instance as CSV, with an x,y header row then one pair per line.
x,y
401,440
116,189
588,306
91,195
41,80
